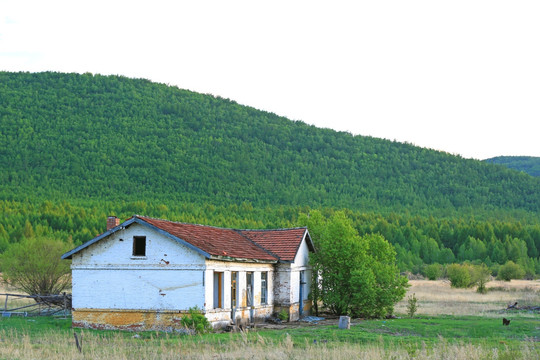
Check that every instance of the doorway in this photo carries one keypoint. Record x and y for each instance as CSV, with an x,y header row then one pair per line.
x,y
234,294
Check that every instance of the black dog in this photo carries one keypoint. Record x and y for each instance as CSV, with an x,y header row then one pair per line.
x,y
506,322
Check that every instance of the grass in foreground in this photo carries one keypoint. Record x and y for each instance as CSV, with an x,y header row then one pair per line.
x,y
444,337
473,330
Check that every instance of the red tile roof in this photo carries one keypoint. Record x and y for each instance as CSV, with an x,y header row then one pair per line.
x,y
262,245
282,242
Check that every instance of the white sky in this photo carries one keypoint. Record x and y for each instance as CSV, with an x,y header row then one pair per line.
x,y
462,76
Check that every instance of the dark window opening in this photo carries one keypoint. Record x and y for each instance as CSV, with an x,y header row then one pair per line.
x,y
218,290
139,246
264,287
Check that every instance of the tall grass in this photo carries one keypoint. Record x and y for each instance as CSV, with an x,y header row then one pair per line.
x,y
118,347
464,337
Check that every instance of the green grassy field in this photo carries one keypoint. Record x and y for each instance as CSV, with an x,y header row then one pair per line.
x,y
421,337
450,324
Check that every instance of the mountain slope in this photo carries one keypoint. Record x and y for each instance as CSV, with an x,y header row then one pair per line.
x,y
527,164
84,136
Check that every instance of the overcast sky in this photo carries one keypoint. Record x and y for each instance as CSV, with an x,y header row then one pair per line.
x,y
457,76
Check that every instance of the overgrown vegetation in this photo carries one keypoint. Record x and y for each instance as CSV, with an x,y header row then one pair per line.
x,y
195,321
420,338
35,267
428,335
283,315
351,274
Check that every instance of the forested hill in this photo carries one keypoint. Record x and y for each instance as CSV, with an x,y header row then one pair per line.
x,y
70,136
527,164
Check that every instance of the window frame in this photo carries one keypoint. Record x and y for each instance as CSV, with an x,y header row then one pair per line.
x,y
234,289
218,285
138,243
250,298
264,287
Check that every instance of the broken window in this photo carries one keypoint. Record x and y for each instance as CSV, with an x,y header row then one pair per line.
x,y
249,288
139,246
264,287
234,281
218,290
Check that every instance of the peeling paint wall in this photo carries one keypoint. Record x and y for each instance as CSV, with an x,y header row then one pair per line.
x,y
117,249
107,276
258,311
136,320
137,289
287,284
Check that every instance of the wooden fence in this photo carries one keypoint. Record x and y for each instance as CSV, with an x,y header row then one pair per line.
x,y
43,305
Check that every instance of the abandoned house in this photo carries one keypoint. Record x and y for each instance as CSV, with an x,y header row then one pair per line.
x,y
146,273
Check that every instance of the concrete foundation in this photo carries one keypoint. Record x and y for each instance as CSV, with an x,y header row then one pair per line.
x,y
168,320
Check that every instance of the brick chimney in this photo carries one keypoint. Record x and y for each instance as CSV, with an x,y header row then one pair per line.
x,y
112,221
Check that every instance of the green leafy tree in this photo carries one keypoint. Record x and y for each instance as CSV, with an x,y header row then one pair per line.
x,y
35,267
352,274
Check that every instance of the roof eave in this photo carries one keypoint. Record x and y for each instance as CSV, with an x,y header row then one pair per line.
x,y
243,260
309,242
125,224
69,254
172,237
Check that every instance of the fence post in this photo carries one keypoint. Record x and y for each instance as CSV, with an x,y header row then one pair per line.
x,y
65,305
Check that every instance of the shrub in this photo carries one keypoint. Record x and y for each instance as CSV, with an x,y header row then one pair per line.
x,y
196,321
480,275
459,276
283,315
510,271
35,266
433,271
412,305
495,269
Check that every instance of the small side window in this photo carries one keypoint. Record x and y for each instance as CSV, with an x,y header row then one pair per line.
x,y
139,246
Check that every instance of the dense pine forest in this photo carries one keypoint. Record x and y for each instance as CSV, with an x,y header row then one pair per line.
x,y
76,148
527,164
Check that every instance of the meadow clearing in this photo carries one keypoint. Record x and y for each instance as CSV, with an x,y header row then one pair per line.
x,y
449,324
438,298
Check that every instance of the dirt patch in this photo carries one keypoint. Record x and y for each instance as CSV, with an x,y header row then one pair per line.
x,y
302,323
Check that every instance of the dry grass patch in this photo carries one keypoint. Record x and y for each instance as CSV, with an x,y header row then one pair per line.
x,y
438,298
13,302
118,347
